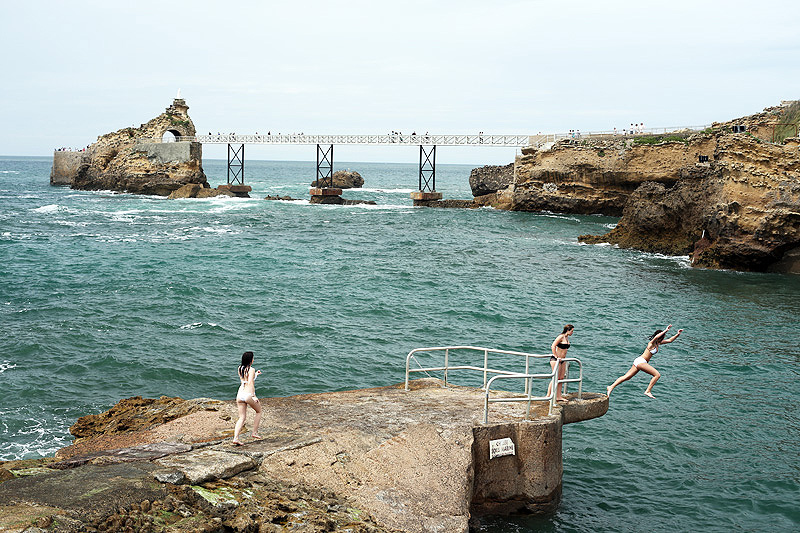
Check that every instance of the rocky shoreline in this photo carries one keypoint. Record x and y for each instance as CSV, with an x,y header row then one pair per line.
x,y
728,196
370,460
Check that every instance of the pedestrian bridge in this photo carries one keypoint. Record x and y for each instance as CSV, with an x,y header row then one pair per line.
x,y
387,140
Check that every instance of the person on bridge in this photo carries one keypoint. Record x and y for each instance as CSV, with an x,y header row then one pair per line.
x,y
559,350
247,396
643,361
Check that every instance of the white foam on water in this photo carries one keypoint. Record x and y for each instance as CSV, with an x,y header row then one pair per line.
x,y
609,226
9,171
196,325
52,208
6,365
558,216
387,191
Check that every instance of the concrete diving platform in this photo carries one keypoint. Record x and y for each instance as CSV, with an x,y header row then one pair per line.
x,y
417,460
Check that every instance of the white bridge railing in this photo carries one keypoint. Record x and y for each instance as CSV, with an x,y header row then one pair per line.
x,y
524,375
397,139
388,139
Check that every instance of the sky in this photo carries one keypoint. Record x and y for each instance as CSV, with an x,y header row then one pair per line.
x,y
72,71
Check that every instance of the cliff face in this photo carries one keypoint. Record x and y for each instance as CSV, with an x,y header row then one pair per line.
x,y
598,176
134,159
731,200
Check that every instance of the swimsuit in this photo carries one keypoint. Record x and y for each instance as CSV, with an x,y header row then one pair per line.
x,y
244,395
641,360
563,346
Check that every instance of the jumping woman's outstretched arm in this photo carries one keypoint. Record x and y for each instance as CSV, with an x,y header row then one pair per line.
x,y
667,341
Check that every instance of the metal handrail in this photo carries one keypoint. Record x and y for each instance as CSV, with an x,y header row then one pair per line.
x,y
501,374
481,139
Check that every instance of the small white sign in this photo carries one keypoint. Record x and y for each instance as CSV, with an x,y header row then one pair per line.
x,y
501,447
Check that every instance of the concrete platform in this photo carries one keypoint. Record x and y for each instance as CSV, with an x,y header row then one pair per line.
x,y
416,461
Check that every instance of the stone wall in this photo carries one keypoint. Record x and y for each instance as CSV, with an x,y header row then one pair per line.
x,y
65,167
171,152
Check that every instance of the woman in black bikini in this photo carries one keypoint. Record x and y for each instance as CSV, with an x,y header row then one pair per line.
x,y
559,349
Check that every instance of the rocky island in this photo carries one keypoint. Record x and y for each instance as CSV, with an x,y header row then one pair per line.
x,y
728,195
135,160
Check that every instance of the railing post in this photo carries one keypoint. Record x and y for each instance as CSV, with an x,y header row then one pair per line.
x,y
486,408
408,359
528,386
485,367
527,381
446,364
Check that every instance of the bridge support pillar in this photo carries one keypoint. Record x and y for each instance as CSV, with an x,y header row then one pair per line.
x,y
427,178
325,192
236,173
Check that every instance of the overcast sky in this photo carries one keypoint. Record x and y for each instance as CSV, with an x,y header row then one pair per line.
x,y
74,70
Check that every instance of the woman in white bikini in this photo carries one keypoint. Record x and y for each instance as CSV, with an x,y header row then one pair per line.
x,y
643,361
559,350
247,396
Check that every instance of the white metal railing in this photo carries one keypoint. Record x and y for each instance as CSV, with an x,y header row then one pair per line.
x,y
396,139
388,139
527,376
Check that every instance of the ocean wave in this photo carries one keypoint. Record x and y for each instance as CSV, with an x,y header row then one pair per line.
x,y
6,365
51,208
9,171
196,325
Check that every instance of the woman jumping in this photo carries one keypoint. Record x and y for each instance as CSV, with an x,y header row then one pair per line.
x,y
643,361
247,396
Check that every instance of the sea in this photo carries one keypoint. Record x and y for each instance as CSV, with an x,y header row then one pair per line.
x,y
105,296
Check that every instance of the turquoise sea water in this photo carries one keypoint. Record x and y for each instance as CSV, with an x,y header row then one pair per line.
x,y
105,296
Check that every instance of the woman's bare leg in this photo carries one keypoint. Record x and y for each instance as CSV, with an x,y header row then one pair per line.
x,y
624,377
242,407
646,367
560,376
256,405
562,371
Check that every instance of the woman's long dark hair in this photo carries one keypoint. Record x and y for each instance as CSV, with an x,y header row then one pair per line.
x,y
244,368
567,328
656,334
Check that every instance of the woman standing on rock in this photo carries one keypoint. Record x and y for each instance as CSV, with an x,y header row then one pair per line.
x,y
559,350
247,396
643,361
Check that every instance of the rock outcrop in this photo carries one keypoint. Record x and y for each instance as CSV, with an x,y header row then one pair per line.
x,y
135,160
342,179
197,190
741,210
490,179
728,195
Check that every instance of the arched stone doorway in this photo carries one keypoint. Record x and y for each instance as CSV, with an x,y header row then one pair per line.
x,y
170,136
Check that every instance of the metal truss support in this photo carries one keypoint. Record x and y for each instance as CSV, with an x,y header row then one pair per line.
x,y
236,165
427,169
324,167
